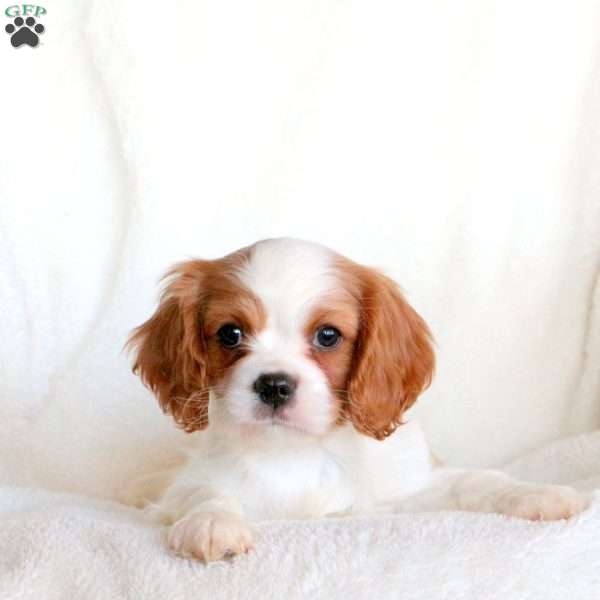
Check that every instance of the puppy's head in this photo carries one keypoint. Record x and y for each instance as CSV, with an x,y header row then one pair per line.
x,y
284,333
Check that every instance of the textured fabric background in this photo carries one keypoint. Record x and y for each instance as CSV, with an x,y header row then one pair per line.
x,y
454,144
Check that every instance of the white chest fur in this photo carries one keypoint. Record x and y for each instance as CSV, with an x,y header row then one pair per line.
x,y
283,474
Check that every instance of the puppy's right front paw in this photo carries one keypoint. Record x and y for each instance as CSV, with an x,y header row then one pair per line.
x,y
210,536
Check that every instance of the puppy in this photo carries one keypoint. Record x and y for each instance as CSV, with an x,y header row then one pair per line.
x,y
292,367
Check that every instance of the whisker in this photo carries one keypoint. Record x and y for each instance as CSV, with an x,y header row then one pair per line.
x,y
197,399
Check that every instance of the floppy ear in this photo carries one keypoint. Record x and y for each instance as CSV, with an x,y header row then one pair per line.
x,y
170,354
393,359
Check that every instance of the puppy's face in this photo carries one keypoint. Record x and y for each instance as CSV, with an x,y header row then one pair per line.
x,y
284,333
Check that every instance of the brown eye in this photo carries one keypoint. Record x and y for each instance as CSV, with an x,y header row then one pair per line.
x,y
230,335
327,337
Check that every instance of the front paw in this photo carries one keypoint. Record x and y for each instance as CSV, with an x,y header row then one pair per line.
x,y
541,502
210,536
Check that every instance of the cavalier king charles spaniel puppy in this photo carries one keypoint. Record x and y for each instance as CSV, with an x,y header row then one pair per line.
x,y
292,368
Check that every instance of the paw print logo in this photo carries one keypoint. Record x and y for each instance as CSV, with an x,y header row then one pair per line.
x,y
24,32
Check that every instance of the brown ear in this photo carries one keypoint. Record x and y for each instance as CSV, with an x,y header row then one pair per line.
x,y
393,359
170,354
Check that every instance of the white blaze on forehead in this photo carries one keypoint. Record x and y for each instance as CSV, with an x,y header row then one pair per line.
x,y
289,277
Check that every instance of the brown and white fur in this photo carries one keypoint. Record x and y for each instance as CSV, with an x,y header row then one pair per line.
x,y
336,442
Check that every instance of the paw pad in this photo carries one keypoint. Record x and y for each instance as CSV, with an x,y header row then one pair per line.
x,y
24,31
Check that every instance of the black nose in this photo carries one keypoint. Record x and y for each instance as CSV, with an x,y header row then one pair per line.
x,y
275,389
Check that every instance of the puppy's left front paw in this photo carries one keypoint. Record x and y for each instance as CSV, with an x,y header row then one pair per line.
x,y
542,502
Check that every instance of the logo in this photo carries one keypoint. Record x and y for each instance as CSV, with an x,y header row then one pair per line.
x,y
25,29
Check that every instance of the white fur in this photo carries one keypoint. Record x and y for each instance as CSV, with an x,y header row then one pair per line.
x,y
250,466
289,277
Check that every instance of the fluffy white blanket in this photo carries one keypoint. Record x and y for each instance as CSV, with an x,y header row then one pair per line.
x,y
62,546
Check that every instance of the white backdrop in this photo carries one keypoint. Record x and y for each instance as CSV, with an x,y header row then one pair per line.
x,y
454,144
